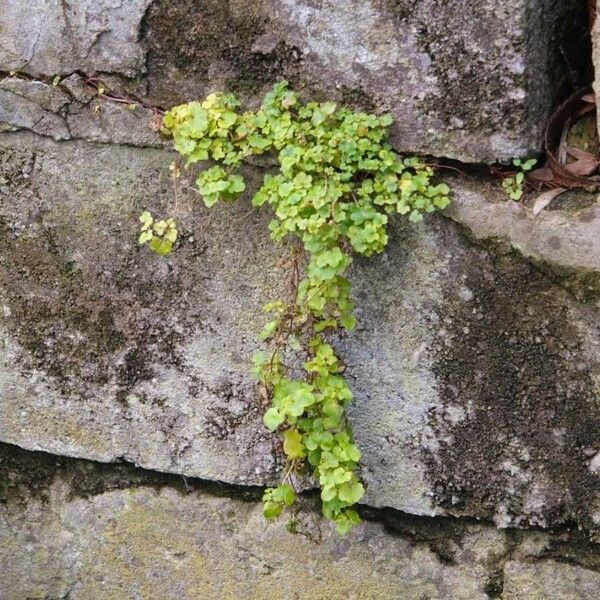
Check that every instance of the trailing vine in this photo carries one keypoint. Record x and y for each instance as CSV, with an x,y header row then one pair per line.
x,y
338,180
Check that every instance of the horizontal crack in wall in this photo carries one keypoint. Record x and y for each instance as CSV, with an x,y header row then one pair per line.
x,y
28,475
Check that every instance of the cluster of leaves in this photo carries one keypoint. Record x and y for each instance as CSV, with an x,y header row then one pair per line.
x,y
513,185
311,414
159,235
337,183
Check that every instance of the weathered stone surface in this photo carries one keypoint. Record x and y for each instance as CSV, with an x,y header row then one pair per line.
x,y
72,109
475,376
87,531
163,543
476,372
114,123
473,84
566,236
32,105
414,59
62,36
549,580
129,371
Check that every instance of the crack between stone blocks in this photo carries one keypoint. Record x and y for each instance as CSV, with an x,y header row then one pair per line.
x,y
565,277
36,470
89,80
73,140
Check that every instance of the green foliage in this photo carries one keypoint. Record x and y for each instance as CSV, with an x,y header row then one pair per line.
x,y
275,499
216,184
159,235
513,185
337,184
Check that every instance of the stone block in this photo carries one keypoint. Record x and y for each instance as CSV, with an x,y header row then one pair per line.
x,y
473,83
62,36
114,540
475,375
76,529
549,580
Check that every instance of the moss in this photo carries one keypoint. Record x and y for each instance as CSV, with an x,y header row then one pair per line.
x,y
511,360
145,551
584,135
84,331
184,40
148,547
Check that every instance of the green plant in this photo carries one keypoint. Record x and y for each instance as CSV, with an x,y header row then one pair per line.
x,y
337,182
160,235
513,185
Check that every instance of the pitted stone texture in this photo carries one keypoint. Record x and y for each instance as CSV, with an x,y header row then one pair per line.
x,y
474,85
74,533
475,376
549,580
33,105
133,371
114,123
57,37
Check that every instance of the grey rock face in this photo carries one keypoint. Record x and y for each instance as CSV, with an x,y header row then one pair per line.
x,y
32,105
72,109
164,397
475,376
549,580
565,239
72,528
474,85
114,123
62,36
476,371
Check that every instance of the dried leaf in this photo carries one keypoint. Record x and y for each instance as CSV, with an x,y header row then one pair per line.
x,y
589,97
545,198
561,153
585,163
542,174
565,175
579,153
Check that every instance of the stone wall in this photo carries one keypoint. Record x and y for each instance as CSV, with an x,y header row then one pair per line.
x,y
79,529
475,365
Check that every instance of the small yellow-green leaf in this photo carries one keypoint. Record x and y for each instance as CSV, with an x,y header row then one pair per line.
x,y
146,218
145,236
292,444
271,510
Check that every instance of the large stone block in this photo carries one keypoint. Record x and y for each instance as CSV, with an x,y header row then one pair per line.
x,y
473,82
72,529
58,37
563,237
475,375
